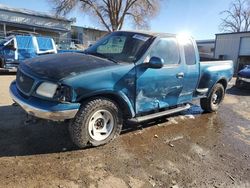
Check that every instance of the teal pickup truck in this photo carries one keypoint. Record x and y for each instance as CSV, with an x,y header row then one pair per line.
x,y
134,76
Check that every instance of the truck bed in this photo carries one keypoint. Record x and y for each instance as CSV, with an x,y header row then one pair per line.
x,y
216,65
214,71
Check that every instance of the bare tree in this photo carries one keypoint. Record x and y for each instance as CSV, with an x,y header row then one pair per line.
x,y
237,17
112,13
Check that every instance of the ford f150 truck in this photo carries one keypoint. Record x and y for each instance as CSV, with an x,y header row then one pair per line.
x,y
125,75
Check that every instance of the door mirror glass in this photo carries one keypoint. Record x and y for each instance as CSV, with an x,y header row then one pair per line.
x,y
155,63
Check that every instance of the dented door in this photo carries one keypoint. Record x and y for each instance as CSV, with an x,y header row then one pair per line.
x,y
160,88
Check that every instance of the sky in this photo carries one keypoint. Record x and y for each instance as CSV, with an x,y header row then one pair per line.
x,y
199,18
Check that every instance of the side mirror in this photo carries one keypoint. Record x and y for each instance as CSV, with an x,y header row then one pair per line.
x,y
155,63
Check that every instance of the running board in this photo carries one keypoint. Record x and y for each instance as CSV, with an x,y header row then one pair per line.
x,y
159,114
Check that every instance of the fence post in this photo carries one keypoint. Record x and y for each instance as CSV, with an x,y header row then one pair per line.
x,y
4,29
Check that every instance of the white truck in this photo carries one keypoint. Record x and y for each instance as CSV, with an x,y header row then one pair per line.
x,y
19,47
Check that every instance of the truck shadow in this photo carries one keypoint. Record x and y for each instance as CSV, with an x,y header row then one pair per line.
x,y
239,92
7,73
19,139
42,137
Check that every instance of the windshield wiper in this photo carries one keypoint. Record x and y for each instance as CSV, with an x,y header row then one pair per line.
x,y
102,56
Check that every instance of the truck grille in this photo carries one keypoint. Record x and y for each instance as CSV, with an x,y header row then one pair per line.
x,y
24,82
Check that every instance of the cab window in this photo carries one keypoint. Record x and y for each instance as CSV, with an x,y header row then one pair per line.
x,y
167,49
190,57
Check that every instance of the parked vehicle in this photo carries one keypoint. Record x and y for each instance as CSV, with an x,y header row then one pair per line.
x,y
16,48
243,78
124,76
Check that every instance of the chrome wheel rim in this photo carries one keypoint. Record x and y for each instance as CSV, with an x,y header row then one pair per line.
x,y
214,98
101,125
217,97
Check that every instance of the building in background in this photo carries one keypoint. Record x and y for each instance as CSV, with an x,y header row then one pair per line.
x,y
233,46
206,48
32,21
86,36
60,29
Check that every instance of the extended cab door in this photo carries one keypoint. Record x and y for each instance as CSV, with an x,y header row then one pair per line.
x,y
191,70
160,88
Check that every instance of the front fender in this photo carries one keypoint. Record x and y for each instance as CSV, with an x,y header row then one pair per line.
x,y
118,96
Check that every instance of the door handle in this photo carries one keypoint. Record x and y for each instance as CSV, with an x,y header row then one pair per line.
x,y
180,75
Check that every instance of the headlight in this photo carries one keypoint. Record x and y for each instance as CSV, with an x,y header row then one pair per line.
x,y
47,89
63,93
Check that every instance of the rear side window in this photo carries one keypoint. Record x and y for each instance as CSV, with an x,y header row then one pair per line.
x,y
189,53
167,49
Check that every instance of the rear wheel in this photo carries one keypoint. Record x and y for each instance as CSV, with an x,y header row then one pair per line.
x,y
212,103
98,122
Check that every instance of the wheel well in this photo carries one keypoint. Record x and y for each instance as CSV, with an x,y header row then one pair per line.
x,y
223,82
118,100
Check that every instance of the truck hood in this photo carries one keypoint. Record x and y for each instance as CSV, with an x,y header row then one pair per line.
x,y
245,72
60,66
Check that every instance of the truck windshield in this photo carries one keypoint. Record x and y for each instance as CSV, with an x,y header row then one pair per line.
x,y
120,46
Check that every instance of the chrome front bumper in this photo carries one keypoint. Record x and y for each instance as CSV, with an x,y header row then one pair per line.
x,y
44,109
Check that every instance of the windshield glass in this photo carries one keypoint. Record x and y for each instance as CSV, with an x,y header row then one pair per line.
x,y
120,46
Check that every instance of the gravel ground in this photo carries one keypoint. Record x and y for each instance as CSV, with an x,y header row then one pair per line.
x,y
190,149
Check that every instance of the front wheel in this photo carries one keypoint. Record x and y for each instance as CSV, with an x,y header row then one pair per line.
x,y
212,103
98,122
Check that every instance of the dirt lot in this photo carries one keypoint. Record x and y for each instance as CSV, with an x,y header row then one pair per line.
x,y
186,150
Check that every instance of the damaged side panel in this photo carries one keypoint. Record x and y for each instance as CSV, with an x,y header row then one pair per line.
x,y
157,88
118,81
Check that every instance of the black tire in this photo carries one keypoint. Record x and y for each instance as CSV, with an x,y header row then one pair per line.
x,y
211,104
79,126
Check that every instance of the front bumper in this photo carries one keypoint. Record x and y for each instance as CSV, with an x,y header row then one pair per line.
x,y
42,108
